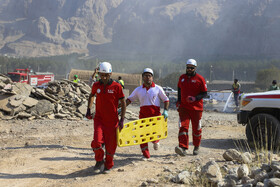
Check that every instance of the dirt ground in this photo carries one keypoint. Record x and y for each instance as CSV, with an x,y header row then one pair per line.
x,y
58,153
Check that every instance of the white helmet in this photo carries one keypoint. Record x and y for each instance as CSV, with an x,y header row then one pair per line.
x,y
148,70
191,62
105,67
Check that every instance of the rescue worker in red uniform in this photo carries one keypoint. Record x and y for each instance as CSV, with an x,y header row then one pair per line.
x,y
149,95
191,91
107,93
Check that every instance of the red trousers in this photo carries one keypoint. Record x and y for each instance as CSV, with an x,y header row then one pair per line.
x,y
104,134
144,147
185,117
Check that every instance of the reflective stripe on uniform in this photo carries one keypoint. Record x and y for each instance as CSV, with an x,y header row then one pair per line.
x,y
109,154
95,149
144,148
183,133
197,135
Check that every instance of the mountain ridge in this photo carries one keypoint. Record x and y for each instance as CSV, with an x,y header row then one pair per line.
x,y
33,28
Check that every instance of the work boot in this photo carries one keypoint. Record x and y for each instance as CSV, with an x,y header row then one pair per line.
x,y
181,151
106,171
143,158
97,167
196,150
156,146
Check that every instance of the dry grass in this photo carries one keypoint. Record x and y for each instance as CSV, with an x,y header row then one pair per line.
x,y
258,147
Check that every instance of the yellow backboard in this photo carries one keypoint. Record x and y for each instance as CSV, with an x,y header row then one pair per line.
x,y
142,131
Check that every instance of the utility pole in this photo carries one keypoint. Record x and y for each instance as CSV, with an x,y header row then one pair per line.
x,y
211,72
96,62
232,75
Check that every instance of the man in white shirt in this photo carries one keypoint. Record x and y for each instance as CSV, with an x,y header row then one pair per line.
x,y
149,96
94,77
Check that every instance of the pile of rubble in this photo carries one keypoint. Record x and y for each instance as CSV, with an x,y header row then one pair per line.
x,y
61,99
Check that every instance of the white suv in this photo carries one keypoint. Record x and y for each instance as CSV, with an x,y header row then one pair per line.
x,y
169,90
260,112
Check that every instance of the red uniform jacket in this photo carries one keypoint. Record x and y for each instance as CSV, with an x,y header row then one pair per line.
x,y
107,98
191,86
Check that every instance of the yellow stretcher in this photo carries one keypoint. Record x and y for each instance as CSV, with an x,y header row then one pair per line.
x,y
142,131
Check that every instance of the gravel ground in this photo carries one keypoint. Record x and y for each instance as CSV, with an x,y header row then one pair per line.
x,y
58,153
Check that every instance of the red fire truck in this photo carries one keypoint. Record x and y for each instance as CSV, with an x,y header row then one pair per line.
x,y
30,77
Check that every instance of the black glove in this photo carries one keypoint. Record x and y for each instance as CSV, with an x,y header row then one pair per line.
x,y
88,114
121,123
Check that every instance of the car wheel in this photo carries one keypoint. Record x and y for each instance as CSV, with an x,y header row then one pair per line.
x,y
263,131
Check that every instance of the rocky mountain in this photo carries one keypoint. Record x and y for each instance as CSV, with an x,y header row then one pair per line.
x,y
147,28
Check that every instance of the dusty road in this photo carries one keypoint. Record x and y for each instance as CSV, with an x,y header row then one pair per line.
x,y
58,153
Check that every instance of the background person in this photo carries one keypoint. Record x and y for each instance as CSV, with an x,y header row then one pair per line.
x,y
107,93
93,77
149,95
191,91
76,80
273,86
121,81
236,91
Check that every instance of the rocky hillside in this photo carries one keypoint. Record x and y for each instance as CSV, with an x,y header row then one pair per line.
x,y
125,27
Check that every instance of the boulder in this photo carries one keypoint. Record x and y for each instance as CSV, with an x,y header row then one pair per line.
x,y
5,79
60,115
16,100
245,158
43,107
182,178
22,89
275,165
18,109
24,115
30,102
272,182
212,172
83,108
242,171
4,103
231,154
2,85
